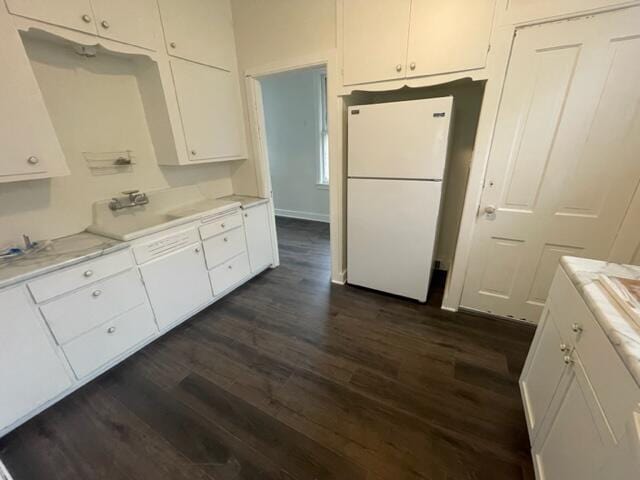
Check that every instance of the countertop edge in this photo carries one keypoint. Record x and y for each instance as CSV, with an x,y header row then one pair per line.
x,y
622,332
64,264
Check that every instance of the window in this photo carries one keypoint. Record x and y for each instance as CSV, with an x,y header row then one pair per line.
x,y
323,170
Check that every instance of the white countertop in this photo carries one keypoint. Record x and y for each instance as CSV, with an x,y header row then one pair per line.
x,y
622,331
115,230
62,252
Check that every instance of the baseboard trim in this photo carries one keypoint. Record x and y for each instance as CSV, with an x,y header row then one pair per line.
x,y
314,217
340,279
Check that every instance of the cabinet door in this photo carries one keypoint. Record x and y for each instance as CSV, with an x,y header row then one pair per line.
x,y
210,107
576,443
30,147
31,373
200,30
374,37
258,230
75,14
448,36
135,22
177,284
542,373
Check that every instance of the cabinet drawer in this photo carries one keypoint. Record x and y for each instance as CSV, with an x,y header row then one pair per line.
x,y
80,311
229,274
96,348
224,247
615,389
224,224
79,276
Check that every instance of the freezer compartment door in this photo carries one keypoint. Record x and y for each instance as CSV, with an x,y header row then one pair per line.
x,y
391,234
399,140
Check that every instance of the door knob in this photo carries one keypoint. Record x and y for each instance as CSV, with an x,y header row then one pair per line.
x,y
490,209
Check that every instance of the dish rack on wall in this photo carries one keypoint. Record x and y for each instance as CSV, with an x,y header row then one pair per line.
x,y
110,163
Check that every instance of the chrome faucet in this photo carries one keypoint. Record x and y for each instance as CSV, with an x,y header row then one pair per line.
x,y
133,199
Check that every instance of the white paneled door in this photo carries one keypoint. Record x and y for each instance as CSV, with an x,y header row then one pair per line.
x,y
565,160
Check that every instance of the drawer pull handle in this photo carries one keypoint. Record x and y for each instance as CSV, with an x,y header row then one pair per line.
x,y
576,327
88,273
111,330
96,293
226,239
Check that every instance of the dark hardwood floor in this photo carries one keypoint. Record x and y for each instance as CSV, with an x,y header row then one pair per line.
x,y
290,377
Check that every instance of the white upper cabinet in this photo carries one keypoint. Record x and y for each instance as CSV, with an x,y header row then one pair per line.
x,y
31,373
200,31
75,14
30,147
395,39
375,38
448,36
210,107
135,22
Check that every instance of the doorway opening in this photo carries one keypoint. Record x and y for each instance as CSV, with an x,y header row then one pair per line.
x,y
289,106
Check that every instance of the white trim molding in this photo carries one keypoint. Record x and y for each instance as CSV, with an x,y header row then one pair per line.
x,y
314,217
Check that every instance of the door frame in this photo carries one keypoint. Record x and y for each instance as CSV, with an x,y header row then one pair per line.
x,y
502,41
257,127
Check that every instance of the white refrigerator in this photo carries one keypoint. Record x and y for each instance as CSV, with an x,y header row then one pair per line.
x,y
397,155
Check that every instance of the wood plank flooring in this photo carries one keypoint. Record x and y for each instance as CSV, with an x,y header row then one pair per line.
x,y
293,378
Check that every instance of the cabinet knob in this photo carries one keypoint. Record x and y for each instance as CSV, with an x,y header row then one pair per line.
x,y
222,225
111,330
197,250
86,18
567,360
412,65
398,68
246,215
33,160
173,45
88,273
564,347
105,24
225,239
194,153
576,327
96,293
230,267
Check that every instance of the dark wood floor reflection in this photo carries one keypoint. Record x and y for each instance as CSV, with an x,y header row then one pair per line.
x,y
291,377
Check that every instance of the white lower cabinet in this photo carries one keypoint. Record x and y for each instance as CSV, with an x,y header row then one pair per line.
x,y
257,224
177,284
577,443
229,274
101,345
32,373
580,401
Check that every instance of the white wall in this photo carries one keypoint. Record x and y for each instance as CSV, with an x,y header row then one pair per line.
x,y
271,31
95,106
292,113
